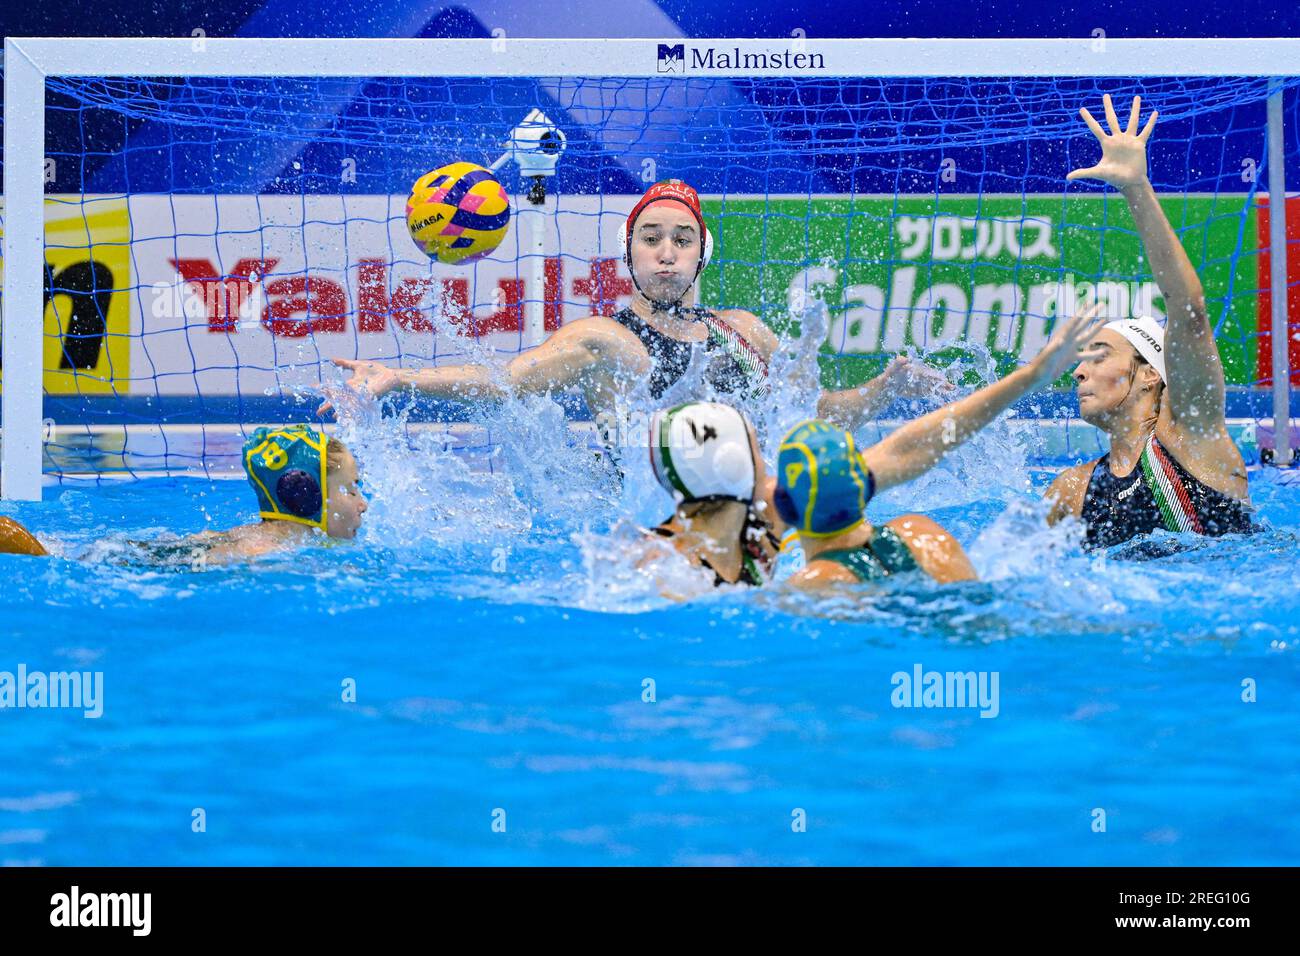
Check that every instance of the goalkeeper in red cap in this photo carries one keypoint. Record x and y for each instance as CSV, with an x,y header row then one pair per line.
x,y
666,245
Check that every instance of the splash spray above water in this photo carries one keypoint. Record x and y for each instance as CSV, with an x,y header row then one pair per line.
x,y
519,469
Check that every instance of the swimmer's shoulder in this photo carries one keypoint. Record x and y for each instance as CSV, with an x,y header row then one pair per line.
x,y
598,334
207,547
239,543
933,548
1207,453
590,326
577,350
1068,490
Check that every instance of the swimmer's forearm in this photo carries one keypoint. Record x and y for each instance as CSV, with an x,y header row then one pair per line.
x,y
918,446
1193,368
851,408
1172,269
453,382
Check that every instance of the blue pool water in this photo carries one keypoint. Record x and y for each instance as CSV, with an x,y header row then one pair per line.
x,y
501,668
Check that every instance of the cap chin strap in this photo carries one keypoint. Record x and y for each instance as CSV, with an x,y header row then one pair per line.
x,y
663,305
1133,379
743,501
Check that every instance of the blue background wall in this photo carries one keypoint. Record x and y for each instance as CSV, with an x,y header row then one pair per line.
x,y
616,18
1197,149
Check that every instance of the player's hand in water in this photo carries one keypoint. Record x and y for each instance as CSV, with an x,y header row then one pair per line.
x,y
905,378
367,378
1123,152
1066,347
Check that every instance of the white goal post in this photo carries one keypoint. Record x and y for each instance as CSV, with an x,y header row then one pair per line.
x,y
29,61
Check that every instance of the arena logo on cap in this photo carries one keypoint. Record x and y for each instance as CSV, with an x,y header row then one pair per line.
x,y
1138,330
672,58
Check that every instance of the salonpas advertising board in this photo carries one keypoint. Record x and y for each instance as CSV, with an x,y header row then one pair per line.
x,y
224,295
941,273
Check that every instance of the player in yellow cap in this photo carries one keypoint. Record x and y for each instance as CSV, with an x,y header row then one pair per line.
x,y
306,484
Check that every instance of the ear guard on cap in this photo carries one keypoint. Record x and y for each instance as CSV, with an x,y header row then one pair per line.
x,y
785,506
286,467
701,450
822,484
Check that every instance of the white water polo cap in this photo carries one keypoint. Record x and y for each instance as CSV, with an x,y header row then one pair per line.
x,y
1147,336
701,451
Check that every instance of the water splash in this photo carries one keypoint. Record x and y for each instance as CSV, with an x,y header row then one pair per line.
x,y
418,487
794,376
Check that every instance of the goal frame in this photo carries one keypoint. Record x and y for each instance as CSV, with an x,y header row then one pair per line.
x,y
28,61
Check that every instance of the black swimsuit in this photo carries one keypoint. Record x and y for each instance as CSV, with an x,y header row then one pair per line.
x,y
735,368
1158,493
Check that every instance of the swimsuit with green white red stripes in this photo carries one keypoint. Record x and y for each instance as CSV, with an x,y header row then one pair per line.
x,y
1158,493
737,368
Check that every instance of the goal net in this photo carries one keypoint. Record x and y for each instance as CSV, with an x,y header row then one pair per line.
x,y
212,241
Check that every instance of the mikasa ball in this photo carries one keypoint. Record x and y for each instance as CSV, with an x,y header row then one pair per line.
x,y
458,214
